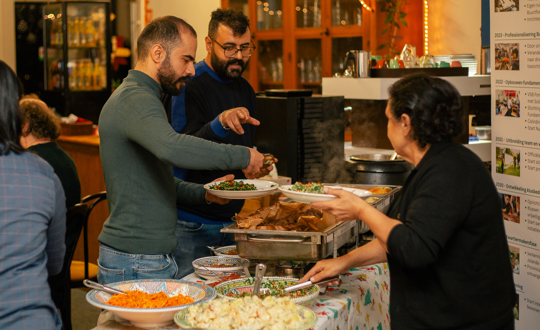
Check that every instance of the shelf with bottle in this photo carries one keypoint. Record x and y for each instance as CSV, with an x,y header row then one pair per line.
x,y
81,32
85,75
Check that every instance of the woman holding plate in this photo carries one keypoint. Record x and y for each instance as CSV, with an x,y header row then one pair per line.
x,y
443,236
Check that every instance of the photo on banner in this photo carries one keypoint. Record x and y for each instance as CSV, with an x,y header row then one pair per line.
x,y
507,103
508,161
507,56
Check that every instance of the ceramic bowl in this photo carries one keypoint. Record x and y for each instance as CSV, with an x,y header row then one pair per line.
x,y
310,317
151,317
225,250
245,285
206,267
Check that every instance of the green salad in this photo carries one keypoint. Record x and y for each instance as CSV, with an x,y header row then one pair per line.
x,y
233,185
276,289
311,187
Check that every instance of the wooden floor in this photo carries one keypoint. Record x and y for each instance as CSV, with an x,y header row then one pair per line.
x,y
83,315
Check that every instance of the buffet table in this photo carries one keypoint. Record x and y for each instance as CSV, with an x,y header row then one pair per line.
x,y
361,302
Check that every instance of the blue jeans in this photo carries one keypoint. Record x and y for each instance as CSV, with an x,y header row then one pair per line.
x,y
118,266
193,239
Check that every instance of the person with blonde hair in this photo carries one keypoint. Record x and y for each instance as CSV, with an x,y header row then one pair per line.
x,y
40,129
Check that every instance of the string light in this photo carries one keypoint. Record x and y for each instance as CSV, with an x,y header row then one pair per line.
x,y
426,27
368,8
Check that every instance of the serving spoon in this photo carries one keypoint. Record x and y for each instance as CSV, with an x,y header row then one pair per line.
x,y
108,289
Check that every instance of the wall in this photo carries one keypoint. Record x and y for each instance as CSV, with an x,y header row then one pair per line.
x,y
454,27
196,15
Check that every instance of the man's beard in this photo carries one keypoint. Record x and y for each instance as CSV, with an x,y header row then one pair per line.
x,y
221,67
168,81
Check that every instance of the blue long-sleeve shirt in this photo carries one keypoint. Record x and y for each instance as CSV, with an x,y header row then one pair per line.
x,y
32,227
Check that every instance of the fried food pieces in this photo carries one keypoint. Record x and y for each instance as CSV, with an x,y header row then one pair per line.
x,y
286,216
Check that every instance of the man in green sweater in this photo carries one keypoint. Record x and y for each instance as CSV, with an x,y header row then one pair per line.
x,y
138,151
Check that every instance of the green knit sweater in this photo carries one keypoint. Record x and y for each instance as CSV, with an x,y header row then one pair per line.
x,y
138,149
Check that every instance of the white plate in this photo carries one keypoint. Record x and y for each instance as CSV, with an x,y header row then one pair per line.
x,y
308,198
263,188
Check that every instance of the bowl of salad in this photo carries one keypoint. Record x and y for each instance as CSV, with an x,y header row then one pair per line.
x,y
314,192
270,286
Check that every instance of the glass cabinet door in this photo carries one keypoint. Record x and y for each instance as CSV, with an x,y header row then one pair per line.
x,y
346,12
270,64
86,41
308,13
76,46
269,14
240,5
53,40
309,64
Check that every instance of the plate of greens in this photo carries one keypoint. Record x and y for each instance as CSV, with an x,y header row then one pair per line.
x,y
241,189
314,192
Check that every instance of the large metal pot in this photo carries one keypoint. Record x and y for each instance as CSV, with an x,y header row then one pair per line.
x,y
379,169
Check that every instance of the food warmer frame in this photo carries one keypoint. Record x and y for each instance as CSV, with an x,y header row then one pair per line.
x,y
304,246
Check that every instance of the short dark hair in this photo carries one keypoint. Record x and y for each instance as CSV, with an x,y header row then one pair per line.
x,y
42,122
235,19
10,120
433,104
165,31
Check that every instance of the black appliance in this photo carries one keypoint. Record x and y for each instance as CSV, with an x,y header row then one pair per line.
x,y
306,134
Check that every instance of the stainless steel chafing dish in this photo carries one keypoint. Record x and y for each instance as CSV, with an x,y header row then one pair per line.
x,y
303,246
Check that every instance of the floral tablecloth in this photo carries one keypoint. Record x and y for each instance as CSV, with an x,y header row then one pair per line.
x,y
360,303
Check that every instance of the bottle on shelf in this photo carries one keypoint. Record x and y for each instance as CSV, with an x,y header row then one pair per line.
x,y
53,76
74,35
53,34
98,76
90,33
72,75
59,84
82,32
87,80
79,74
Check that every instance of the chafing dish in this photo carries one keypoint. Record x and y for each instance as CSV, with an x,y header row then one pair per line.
x,y
303,246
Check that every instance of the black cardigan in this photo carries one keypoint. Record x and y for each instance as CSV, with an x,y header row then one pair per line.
x,y
449,261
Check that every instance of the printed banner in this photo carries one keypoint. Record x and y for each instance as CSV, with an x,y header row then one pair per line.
x,y
515,157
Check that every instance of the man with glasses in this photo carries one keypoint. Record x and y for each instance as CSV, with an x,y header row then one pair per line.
x,y
218,105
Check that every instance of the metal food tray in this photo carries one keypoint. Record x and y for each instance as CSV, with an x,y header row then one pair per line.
x,y
302,246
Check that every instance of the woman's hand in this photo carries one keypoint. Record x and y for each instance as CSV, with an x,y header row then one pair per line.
x,y
327,268
347,206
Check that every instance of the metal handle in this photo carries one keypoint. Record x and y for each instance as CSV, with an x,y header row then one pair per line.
x,y
108,289
259,273
245,265
279,240
309,283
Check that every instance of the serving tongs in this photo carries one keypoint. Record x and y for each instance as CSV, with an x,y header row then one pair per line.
x,y
310,284
108,289
259,273
213,249
245,265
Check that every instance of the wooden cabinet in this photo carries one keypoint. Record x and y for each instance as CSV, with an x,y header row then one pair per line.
x,y
300,41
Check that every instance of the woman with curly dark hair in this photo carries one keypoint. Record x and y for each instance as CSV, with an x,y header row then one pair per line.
x,y
443,236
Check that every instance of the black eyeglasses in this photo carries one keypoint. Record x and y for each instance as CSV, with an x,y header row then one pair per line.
x,y
231,51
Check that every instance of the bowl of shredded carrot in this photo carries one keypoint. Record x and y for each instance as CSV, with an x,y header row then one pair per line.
x,y
151,303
